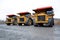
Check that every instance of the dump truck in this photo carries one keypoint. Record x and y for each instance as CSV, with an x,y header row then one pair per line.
x,y
11,19
44,16
24,18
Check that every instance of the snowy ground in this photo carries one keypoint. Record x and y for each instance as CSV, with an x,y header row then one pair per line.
x,y
29,32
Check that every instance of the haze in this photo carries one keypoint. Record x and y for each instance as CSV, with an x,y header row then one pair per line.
x,y
16,6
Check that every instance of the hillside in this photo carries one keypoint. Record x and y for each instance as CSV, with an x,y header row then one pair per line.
x,y
2,22
57,21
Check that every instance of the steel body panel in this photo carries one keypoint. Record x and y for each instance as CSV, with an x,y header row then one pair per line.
x,y
25,19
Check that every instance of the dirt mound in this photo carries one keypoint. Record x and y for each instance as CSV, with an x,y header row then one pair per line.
x,y
57,21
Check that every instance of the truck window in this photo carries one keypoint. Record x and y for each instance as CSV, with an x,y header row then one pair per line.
x,y
28,15
49,12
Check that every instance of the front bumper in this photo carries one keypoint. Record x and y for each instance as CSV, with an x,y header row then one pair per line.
x,y
8,22
41,22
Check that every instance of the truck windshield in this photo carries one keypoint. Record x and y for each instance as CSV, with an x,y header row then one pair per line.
x,y
49,12
27,15
14,17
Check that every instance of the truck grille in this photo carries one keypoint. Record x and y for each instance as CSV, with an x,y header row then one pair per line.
x,y
22,19
41,18
9,20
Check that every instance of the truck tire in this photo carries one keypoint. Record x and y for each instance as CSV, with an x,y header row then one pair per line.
x,y
19,24
29,22
36,25
8,24
51,23
14,22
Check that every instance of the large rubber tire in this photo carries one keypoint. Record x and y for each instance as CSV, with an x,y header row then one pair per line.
x,y
30,22
8,24
19,24
53,21
14,24
36,25
51,25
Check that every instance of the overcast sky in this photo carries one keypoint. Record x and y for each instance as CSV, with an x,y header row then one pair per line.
x,y
16,6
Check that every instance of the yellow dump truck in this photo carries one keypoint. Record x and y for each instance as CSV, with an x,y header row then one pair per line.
x,y
11,19
24,18
43,16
